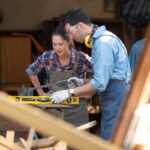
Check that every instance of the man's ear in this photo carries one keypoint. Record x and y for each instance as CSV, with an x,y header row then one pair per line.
x,y
81,25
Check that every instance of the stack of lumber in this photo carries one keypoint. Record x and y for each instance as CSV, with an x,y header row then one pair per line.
x,y
51,143
48,125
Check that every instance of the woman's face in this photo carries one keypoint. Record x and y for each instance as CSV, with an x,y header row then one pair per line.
x,y
60,46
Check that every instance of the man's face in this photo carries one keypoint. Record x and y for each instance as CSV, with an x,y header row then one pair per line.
x,y
75,32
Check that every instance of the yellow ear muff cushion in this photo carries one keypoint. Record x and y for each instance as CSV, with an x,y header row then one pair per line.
x,y
88,41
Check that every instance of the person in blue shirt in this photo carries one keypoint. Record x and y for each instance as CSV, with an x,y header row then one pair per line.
x,y
135,53
110,66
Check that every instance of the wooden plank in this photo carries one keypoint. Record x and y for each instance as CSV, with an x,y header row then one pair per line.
x,y
10,136
2,147
23,142
9,145
86,126
138,94
45,142
30,139
49,125
61,145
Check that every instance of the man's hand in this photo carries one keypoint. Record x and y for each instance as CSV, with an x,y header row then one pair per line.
x,y
75,82
60,96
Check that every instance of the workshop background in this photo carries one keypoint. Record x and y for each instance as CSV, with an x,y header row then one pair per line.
x,y
26,26
36,19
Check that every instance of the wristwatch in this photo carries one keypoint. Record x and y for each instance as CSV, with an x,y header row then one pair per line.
x,y
71,92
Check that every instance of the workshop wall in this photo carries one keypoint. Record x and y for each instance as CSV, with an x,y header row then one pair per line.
x,y
29,14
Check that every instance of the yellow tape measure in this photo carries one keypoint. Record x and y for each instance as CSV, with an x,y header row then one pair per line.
x,y
43,100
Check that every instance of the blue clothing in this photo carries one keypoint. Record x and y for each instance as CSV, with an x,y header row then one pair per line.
x,y
135,52
110,56
111,70
111,101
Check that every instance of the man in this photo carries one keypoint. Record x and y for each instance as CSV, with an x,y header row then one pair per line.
x,y
111,69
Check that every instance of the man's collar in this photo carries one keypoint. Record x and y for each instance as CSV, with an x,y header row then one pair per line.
x,y
100,31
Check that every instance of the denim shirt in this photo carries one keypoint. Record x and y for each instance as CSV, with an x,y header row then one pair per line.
x,y
109,59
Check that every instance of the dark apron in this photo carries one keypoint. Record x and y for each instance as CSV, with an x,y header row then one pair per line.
x,y
111,101
77,115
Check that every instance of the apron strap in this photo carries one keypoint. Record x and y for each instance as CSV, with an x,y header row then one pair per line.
x,y
75,65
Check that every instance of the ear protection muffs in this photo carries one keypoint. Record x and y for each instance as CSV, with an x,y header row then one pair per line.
x,y
88,38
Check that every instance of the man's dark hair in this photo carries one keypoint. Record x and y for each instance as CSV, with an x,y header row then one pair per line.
x,y
75,16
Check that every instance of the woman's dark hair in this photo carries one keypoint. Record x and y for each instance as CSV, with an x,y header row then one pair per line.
x,y
61,32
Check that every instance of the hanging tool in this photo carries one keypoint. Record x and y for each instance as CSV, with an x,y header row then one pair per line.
x,y
72,83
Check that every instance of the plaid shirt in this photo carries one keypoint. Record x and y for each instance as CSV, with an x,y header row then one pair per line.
x,y
79,63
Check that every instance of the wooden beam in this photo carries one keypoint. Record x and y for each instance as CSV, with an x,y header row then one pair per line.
x,y
8,145
10,135
138,94
22,142
2,147
47,142
30,138
49,125
61,145
86,126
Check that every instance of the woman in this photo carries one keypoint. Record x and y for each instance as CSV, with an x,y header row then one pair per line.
x,y
62,63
